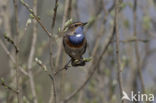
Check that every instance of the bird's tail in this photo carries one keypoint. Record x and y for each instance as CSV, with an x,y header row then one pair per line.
x,y
75,62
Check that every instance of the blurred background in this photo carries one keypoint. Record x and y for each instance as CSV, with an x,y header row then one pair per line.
x,y
20,32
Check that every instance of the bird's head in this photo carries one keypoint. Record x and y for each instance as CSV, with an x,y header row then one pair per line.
x,y
76,28
75,32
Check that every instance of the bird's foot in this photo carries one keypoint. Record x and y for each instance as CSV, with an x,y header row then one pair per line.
x,y
78,63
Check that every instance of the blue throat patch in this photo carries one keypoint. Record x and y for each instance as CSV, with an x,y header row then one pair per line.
x,y
78,36
76,39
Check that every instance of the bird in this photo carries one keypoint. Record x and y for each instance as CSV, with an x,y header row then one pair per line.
x,y
75,43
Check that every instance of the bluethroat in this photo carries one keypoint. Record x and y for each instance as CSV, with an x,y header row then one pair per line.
x,y
75,43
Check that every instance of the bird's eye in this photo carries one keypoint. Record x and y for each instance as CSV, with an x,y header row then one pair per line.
x,y
76,25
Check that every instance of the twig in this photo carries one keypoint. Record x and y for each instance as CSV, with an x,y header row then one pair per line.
x,y
95,17
76,9
36,17
64,68
11,57
67,12
101,31
29,21
19,95
54,90
53,96
54,15
80,97
133,40
40,63
31,54
118,48
8,87
5,14
52,27
11,42
7,52
58,71
137,47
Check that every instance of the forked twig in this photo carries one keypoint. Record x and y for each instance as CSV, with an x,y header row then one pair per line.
x,y
11,42
36,17
40,63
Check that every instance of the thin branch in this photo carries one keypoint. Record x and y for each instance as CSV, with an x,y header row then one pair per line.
x,y
137,46
12,57
95,17
53,96
118,47
76,9
58,71
134,40
5,14
67,12
52,27
54,15
19,95
63,68
40,63
101,31
7,51
28,22
16,17
35,17
31,55
11,42
8,87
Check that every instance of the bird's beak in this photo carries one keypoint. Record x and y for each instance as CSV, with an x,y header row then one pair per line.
x,y
85,23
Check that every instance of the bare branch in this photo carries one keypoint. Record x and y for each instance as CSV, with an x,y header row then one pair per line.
x,y
118,47
53,94
8,87
36,17
139,72
54,15
11,42
32,52
19,95
40,63
12,57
